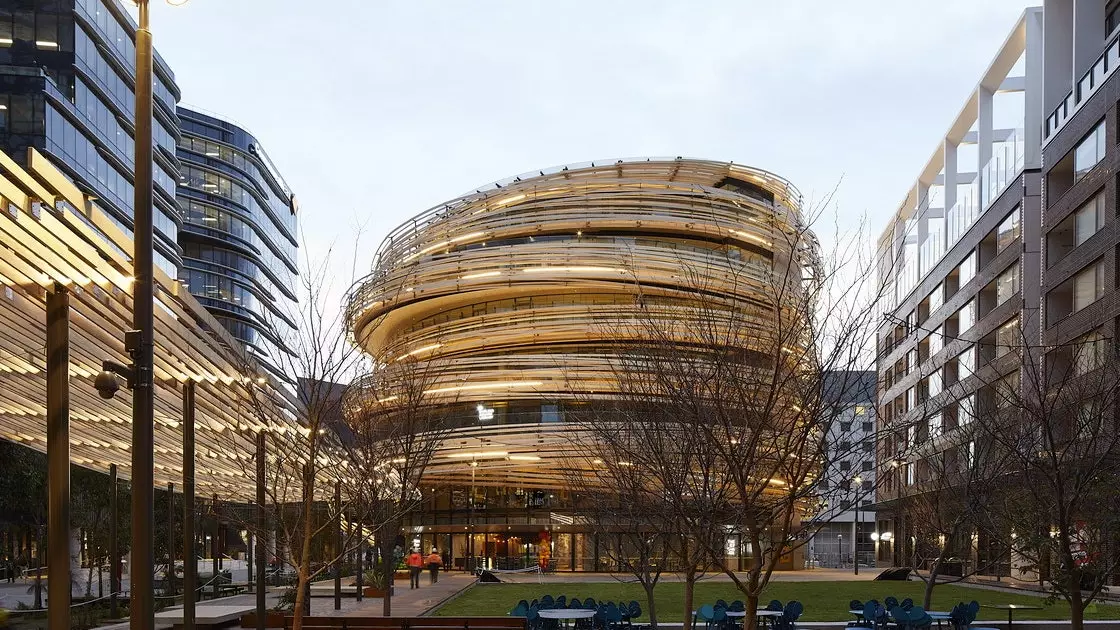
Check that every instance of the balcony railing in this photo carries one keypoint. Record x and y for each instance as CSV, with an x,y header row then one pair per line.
x,y
1105,65
972,201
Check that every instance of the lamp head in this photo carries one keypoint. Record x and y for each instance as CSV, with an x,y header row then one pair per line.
x,y
106,384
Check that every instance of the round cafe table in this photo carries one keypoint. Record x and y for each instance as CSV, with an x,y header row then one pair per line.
x,y
1011,608
760,614
566,614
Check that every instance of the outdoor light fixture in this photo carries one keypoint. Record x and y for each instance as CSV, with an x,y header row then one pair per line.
x,y
106,381
875,536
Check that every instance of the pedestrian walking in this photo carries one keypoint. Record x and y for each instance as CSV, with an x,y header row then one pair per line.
x,y
434,560
415,567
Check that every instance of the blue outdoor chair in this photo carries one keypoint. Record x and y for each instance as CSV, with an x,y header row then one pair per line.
x,y
704,614
634,610
719,617
790,615
561,602
547,601
890,603
962,616
875,616
913,619
737,606
520,610
774,605
907,604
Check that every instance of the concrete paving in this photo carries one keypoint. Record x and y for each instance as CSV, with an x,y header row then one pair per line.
x,y
406,603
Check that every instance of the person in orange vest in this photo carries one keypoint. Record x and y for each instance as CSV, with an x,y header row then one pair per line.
x,y
415,567
434,560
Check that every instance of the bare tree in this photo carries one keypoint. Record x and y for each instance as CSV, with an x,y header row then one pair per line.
x,y
737,367
399,415
955,477
1053,423
624,495
296,401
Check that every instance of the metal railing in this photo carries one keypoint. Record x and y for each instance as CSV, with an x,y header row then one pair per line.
x,y
1086,86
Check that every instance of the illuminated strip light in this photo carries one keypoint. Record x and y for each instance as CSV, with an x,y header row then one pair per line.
x,y
752,237
574,269
463,388
6,41
484,274
501,203
482,454
42,43
451,241
525,458
419,351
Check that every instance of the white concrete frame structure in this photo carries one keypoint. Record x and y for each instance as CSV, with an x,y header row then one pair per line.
x,y
906,249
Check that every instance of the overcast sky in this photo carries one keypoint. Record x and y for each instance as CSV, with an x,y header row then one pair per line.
x,y
376,110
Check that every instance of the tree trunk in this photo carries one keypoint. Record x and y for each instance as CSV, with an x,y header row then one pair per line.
x,y
689,590
1076,606
303,581
648,586
750,620
931,582
387,564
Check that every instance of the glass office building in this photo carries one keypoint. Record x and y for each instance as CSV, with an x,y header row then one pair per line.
x,y
66,89
238,233
224,218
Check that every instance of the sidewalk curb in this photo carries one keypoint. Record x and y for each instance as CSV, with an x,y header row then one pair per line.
x,y
447,600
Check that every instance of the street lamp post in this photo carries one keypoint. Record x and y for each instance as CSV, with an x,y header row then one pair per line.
x,y
139,342
857,483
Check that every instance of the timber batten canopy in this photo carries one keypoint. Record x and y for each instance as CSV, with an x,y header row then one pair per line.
x,y
51,236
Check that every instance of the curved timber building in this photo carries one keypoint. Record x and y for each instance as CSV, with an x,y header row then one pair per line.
x,y
523,290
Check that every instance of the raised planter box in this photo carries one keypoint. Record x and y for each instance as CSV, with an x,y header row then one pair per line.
x,y
271,620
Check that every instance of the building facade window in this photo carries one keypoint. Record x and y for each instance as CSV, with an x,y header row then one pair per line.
x,y
967,269
1089,219
966,317
934,383
933,424
1007,284
936,341
936,298
1088,286
1089,352
966,410
1008,231
1006,336
1089,152
966,363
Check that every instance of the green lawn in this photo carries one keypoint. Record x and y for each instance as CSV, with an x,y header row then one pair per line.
x,y
824,601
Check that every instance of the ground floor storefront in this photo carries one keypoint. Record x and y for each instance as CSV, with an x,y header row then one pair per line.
x,y
512,548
